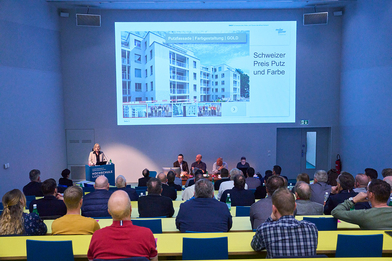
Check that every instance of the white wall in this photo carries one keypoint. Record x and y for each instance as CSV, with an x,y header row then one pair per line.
x,y
31,101
88,67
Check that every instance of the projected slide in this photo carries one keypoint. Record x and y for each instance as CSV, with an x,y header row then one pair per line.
x,y
205,72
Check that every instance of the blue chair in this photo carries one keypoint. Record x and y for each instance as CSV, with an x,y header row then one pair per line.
x,y
88,189
1,206
49,250
141,190
153,174
154,224
359,245
242,211
28,200
323,223
204,248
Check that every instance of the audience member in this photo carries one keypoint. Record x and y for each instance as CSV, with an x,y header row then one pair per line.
x,y
283,235
304,205
73,223
341,192
277,170
167,191
361,182
261,191
371,173
14,221
224,177
189,192
65,181
204,213
95,204
182,164
198,164
171,181
142,182
122,239
332,176
320,187
303,177
252,182
386,172
243,165
218,166
378,217
33,188
52,204
229,184
238,194
121,183
262,209
155,205
388,179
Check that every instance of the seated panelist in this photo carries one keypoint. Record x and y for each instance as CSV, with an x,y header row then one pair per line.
x,y
97,157
182,164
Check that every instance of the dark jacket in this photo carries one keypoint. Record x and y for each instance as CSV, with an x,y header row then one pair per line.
x,y
142,182
95,204
169,192
204,215
65,182
260,192
49,207
184,166
219,182
175,186
239,197
33,189
131,193
318,191
336,199
155,206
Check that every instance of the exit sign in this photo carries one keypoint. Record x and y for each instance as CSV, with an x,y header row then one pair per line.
x,y
304,122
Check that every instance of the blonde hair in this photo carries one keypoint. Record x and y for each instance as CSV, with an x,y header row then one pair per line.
x,y
11,221
97,145
72,197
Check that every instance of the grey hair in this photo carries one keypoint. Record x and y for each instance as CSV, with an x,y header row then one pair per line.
x,y
234,172
321,176
204,189
34,174
121,181
303,190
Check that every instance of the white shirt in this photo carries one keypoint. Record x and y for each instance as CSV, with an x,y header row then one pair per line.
x,y
226,185
188,192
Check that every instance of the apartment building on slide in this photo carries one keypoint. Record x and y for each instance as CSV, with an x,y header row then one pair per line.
x,y
153,70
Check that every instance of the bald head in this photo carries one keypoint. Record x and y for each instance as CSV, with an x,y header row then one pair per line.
x,y
302,189
162,177
388,179
119,205
101,183
198,158
361,181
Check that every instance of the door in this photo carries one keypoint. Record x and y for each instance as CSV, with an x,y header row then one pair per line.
x,y
302,150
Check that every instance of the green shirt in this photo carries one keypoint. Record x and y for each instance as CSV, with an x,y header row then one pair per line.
x,y
373,218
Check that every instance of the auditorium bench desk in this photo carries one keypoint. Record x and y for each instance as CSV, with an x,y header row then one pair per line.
x,y
170,244
240,224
